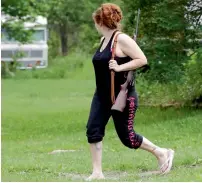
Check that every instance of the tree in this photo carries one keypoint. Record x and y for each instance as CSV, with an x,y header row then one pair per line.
x,y
165,32
72,20
66,16
22,11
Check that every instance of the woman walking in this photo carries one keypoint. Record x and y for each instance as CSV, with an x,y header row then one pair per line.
x,y
128,56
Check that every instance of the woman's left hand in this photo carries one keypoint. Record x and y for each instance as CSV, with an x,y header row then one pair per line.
x,y
114,66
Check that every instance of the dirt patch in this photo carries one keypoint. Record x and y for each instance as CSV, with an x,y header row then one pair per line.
x,y
149,173
61,151
108,176
73,176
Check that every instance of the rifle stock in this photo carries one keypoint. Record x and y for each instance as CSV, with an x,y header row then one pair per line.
x,y
120,102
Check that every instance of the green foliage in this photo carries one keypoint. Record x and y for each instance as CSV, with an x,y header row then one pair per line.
x,y
6,68
73,23
24,9
16,31
9,69
53,45
59,67
191,89
65,18
65,11
155,93
164,34
21,11
89,37
165,58
186,91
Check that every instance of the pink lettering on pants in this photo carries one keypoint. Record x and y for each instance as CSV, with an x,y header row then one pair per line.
x,y
130,121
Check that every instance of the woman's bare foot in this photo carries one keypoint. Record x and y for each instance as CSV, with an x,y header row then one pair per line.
x,y
165,159
95,176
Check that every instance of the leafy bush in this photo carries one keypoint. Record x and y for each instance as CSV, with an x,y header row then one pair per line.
x,y
155,93
191,89
8,69
164,33
164,59
53,44
59,67
89,39
187,90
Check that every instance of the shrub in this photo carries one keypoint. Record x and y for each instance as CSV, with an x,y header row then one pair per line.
x,y
191,89
8,69
60,67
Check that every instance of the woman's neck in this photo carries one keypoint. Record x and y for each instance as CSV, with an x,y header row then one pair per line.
x,y
108,33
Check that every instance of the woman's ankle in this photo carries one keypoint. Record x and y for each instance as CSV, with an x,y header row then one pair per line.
x,y
159,152
97,172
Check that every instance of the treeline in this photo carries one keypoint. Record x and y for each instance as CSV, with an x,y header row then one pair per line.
x,y
170,33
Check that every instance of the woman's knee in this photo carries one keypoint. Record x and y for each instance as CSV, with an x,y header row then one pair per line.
x,y
94,139
132,141
94,135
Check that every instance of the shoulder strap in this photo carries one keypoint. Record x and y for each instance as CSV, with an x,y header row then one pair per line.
x,y
102,39
113,49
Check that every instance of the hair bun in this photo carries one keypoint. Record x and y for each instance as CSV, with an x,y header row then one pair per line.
x,y
109,15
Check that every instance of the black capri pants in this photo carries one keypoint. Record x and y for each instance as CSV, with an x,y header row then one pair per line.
x,y
100,113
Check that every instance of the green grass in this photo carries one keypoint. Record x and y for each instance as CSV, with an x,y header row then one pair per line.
x,y
39,116
61,67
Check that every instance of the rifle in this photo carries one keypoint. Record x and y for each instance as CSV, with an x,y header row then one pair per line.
x,y
120,103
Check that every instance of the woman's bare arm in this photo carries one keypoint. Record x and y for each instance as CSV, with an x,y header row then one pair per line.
x,y
130,48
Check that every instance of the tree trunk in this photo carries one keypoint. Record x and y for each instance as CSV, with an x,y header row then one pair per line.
x,y
64,39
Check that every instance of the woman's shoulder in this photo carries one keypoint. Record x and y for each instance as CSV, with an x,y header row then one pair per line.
x,y
123,37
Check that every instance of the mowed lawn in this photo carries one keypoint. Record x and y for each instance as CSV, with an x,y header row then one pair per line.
x,y
39,116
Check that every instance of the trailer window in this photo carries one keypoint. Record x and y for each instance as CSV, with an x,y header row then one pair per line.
x,y
38,35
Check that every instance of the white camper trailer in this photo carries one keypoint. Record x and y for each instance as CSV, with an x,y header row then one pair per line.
x,y
35,53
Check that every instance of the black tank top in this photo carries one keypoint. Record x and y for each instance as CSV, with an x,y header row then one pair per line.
x,y
102,71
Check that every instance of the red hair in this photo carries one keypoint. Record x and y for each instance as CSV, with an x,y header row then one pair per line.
x,y
109,15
